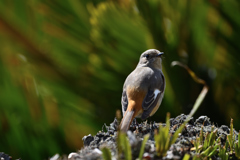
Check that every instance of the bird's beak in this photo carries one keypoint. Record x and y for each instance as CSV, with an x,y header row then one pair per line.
x,y
159,54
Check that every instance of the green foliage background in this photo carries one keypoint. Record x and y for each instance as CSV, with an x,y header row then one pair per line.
x,y
63,64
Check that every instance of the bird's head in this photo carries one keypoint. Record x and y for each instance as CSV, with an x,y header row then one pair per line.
x,y
151,58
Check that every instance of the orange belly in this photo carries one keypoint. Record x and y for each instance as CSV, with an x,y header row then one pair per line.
x,y
135,99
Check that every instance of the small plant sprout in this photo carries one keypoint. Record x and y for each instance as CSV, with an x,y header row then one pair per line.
x,y
230,137
146,137
124,146
197,145
223,152
106,153
201,135
237,147
207,147
186,157
163,138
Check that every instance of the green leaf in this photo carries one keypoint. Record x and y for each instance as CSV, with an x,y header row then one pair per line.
x,y
127,151
205,144
167,135
206,152
237,150
201,135
230,136
197,157
226,145
222,152
124,146
146,137
186,157
214,151
106,153
239,139
196,144
212,137
163,138
197,102
237,147
203,93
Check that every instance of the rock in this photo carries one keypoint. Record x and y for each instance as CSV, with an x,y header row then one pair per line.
x,y
225,129
4,156
183,144
203,120
73,156
132,138
180,119
87,140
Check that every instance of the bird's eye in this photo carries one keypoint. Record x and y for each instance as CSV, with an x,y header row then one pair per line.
x,y
147,56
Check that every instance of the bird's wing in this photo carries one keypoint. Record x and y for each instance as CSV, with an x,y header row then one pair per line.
x,y
152,99
124,101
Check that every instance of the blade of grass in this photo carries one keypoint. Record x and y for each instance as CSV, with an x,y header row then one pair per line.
x,y
197,102
239,139
222,152
163,139
205,144
201,135
214,151
197,157
167,135
198,80
212,137
106,154
124,146
196,144
186,157
230,136
207,151
237,147
146,137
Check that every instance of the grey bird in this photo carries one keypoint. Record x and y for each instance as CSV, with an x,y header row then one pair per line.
x,y
143,89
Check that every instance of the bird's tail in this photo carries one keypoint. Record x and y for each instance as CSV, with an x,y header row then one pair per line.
x,y
126,120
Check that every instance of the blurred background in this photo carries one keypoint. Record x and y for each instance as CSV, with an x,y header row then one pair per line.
x,y
63,65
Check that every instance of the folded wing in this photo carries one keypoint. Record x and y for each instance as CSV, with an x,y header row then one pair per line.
x,y
124,101
153,99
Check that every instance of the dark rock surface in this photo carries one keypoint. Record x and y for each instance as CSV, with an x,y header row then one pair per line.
x,y
107,138
4,156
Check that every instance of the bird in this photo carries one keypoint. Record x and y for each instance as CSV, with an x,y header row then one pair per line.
x,y
143,89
